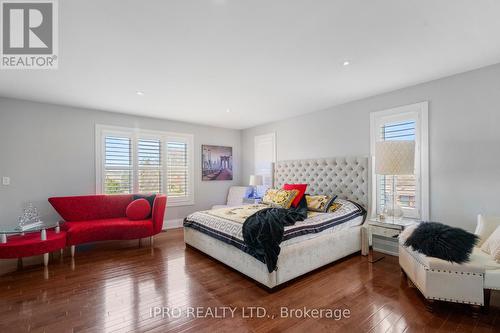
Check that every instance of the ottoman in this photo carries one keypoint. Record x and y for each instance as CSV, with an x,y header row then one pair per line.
x,y
437,279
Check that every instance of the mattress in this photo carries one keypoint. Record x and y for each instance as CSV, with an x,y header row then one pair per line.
x,y
226,224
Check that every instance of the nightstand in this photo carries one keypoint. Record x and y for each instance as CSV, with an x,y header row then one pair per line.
x,y
383,235
252,201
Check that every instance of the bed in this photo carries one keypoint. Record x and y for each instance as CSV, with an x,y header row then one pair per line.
x,y
319,240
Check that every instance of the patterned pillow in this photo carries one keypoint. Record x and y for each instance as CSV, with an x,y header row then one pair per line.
x,y
319,203
492,245
279,198
334,206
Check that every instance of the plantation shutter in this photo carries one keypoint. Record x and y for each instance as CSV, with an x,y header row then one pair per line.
x,y
406,185
178,177
118,165
149,165
129,160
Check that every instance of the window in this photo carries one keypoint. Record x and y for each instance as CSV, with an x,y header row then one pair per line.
x,y
264,156
177,169
406,185
118,165
403,123
149,165
136,161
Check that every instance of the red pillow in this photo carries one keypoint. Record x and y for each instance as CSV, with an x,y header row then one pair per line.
x,y
138,209
300,187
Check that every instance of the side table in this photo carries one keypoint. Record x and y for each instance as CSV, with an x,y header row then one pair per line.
x,y
387,230
40,241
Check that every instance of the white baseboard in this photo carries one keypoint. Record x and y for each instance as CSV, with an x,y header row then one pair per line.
x,y
172,224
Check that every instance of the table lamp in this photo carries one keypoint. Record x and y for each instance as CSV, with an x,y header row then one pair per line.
x,y
255,180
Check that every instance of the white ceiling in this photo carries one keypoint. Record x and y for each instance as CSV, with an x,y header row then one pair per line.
x,y
264,60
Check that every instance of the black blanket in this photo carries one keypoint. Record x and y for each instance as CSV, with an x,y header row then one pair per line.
x,y
263,232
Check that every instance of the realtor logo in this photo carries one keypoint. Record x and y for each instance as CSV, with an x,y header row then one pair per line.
x,y
29,34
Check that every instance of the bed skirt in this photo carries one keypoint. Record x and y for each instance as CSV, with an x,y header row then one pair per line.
x,y
294,260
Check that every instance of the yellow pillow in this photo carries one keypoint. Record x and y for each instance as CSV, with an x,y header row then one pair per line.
x,y
334,206
319,203
279,198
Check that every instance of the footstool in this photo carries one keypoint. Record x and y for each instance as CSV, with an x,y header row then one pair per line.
x,y
437,279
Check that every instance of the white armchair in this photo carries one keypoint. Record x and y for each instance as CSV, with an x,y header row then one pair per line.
x,y
438,279
235,196
485,227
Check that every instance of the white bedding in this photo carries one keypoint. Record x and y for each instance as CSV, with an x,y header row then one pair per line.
x,y
357,221
226,224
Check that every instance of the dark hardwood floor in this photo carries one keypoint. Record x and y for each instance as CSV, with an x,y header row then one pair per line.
x,y
112,286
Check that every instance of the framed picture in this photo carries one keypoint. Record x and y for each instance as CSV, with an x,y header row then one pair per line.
x,y
217,163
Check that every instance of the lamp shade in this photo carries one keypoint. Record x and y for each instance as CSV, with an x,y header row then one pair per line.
x,y
255,180
395,158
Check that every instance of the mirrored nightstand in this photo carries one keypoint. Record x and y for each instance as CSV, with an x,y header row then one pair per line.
x,y
383,235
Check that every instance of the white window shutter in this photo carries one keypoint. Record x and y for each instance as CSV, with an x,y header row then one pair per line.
x,y
149,165
178,178
118,171
129,160
406,185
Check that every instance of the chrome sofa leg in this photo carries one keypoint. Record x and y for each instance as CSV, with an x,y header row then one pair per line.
x,y
151,240
72,251
45,259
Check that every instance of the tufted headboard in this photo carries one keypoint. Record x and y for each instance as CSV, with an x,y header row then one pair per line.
x,y
346,177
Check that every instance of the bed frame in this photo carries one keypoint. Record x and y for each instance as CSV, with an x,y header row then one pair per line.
x,y
345,176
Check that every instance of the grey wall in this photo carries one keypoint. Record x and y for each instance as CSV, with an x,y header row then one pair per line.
x,y
48,150
464,135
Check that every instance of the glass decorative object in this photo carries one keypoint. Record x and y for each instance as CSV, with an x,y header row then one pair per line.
x,y
30,218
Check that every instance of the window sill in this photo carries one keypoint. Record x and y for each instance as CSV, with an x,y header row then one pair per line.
x,y
180,203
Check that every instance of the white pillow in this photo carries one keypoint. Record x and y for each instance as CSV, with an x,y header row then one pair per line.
x,y
496,255
407,233
492,245
485,226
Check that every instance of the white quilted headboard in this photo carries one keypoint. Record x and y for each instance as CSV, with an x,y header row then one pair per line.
x,y
346,177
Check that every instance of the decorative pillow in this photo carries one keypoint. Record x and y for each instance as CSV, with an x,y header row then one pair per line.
x,y
300,187
319,203
139,209
492,244
485,227
279,198
334,206
442,241
496,255
150,198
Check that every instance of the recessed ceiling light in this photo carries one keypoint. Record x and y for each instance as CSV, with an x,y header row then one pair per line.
x,y
228,110
140,93
346,63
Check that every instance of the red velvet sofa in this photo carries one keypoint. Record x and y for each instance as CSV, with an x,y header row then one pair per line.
x,y
93,218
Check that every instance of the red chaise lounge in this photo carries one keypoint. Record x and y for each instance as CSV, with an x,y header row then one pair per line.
x,y
93,218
